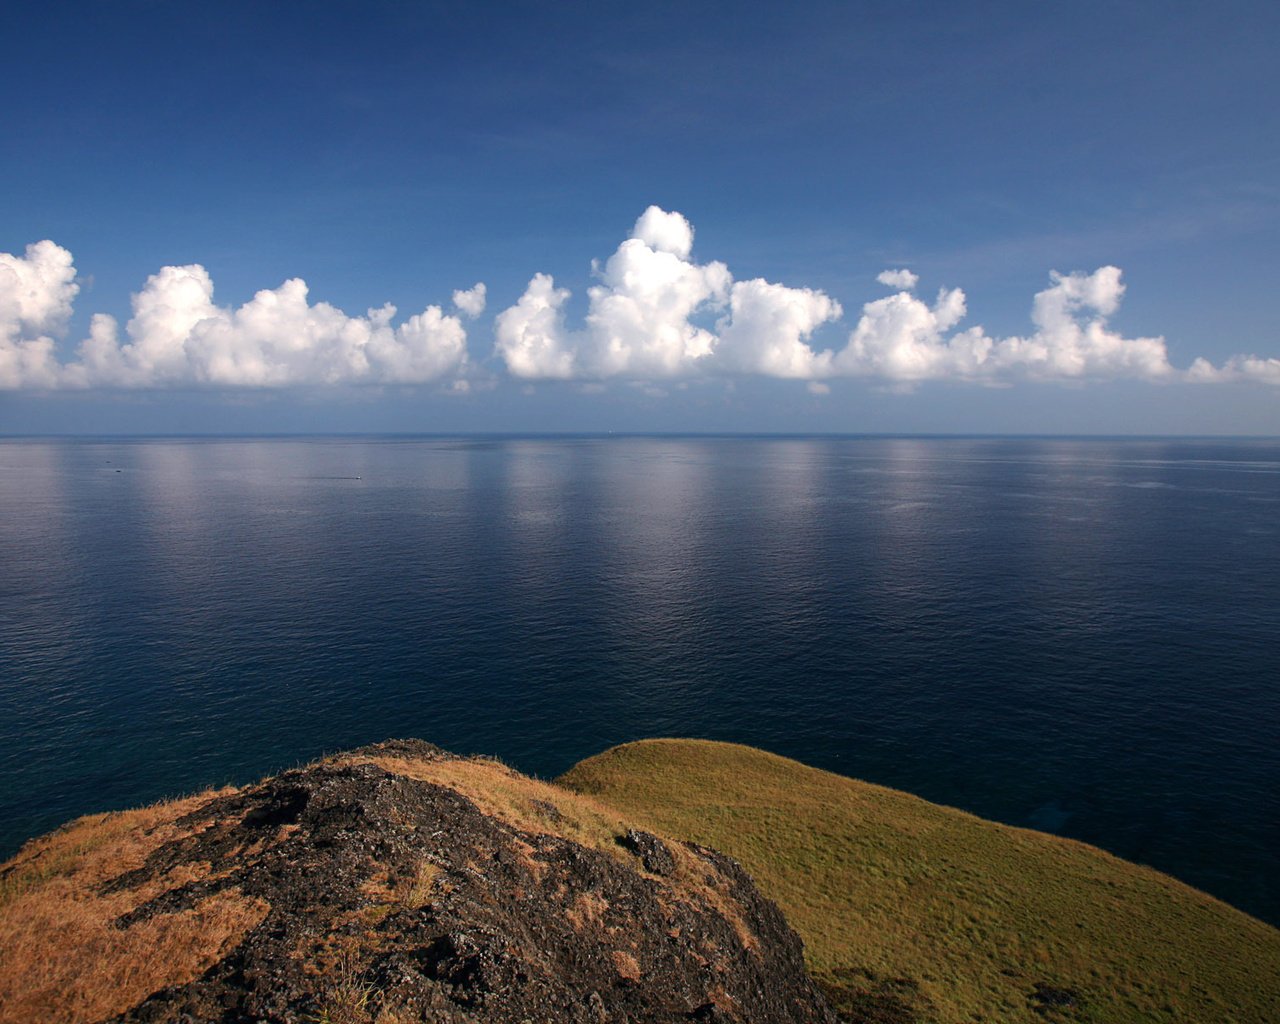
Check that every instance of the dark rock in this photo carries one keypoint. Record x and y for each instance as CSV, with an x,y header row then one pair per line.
x,y
391,896
651,850
1047,999
548,810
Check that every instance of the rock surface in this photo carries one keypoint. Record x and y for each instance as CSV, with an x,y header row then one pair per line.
x,y
393,898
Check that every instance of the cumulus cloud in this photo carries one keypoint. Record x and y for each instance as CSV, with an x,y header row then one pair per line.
x,y
36,295
901,338
653,313
649,317
531,334
471,301
665,232
1237,368
179,335
901,279
643,317
767,328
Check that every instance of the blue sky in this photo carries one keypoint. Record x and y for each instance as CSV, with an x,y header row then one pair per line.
x,y
401,152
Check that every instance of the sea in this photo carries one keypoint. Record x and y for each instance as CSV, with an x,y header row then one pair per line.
x,y
1077,635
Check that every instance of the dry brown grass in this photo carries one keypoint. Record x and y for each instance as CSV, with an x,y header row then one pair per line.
x,y
348,995
424,881
627,965
61,956
529,858
516,799
588,910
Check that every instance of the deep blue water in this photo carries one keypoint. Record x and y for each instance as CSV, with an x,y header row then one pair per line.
x,y
1078,635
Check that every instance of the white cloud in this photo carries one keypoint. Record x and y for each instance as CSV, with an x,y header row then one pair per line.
x,y
1072,339
665,232
900,338
471,301
531,335
178,335
767,329
903,280
648,318
36,296
653,314
1237,368
641,319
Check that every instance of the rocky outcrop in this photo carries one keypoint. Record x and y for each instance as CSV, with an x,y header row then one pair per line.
x,y
391,896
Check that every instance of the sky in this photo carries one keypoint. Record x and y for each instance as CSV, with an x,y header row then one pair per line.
x,y
519,217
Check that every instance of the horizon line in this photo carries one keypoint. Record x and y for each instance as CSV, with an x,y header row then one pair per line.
x,y
623,434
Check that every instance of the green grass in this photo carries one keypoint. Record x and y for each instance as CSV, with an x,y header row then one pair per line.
x,y
912,911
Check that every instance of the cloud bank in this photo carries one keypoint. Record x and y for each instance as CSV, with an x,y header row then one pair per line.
x,y
654,313
179,336
1237,368
901,338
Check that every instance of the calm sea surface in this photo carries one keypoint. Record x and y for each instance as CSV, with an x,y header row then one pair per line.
x,y
1082,636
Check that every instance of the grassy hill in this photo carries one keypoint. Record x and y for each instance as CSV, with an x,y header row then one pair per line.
x,y
308,895
915,912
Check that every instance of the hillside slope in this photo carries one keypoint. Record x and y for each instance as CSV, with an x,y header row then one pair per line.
x,y
910,911
396,883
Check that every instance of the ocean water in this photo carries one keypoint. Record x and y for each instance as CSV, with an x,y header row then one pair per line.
x,y
1082,636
